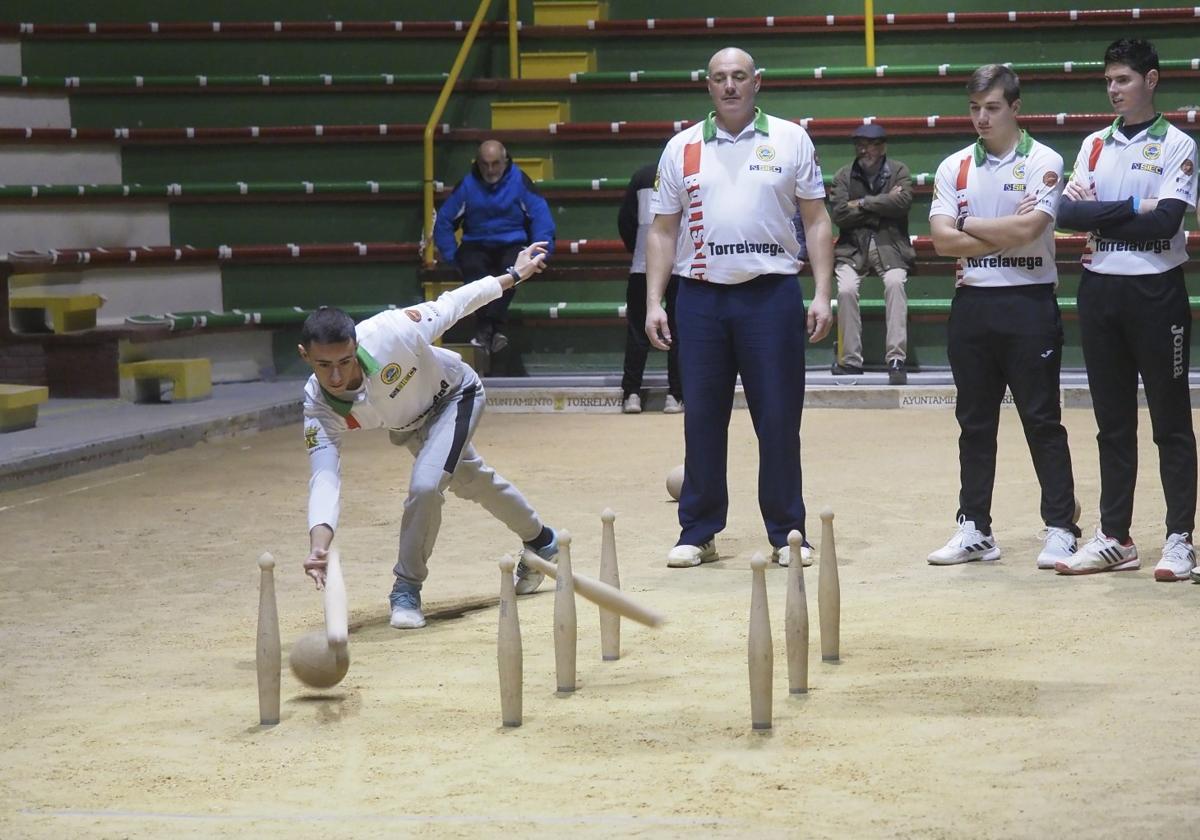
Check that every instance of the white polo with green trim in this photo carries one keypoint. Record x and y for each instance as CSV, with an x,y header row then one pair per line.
x,y
1158,162
738,196
974,182
404,378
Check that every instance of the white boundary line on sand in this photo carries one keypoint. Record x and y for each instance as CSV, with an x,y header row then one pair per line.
x,y
70,492
449,819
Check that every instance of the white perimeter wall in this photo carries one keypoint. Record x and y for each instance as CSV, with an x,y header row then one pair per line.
x,y
10,57
59,164
32,227
35,110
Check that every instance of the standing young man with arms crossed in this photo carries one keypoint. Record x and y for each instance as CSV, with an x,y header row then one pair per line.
x,y
1132,185
735,181
993,208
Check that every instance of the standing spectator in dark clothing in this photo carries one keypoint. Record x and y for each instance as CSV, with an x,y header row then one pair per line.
x,y
500,212
633,221
869,202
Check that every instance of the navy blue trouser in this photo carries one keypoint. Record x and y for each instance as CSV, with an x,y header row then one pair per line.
x,y
756,329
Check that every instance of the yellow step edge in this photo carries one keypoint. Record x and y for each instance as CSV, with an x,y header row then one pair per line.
x,y
518,115
538,169
19,406
65,313
556,65
568,12
191,379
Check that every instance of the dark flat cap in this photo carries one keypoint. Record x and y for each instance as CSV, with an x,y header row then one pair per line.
x,y
870,131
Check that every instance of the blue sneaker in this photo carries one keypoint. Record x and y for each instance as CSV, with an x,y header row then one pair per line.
x,y
527,579
406,606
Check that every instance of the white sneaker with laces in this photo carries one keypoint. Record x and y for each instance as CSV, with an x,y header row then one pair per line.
x,y
967,545
632,405
685,556
1101,554
783,556
1178,559
1060,545
672,406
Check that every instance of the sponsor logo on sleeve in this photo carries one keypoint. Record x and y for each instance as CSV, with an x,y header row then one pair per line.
x,y
390,373
1050,179
1187,167
310,437
413,315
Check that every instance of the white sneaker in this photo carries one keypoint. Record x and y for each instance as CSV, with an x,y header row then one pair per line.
x,y
783,556
968,544
632,405
685,556
1101,554
406,609
1178,559
672,406
1059,546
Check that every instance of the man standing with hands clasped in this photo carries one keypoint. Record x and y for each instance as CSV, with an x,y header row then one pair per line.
x,y
993,208
1132,185
734,181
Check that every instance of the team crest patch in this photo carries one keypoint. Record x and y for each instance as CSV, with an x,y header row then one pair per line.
x,y
1050,179
1187,167
1019,171
390,373
765,153
310,437
413,315
657,178
1152,151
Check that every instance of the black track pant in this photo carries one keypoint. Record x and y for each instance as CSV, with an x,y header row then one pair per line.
x,y
1009,336
475,261
637,343
1135,325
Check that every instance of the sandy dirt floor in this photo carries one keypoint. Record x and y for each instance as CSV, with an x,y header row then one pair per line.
x,y
989,700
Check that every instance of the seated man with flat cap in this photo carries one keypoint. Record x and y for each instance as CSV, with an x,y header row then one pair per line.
x,y
869,201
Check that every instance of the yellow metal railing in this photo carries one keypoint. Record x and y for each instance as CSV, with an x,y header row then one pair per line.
x,y
438,108
869,30
514,60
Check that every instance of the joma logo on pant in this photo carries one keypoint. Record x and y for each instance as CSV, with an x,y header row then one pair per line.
x,y
1177,351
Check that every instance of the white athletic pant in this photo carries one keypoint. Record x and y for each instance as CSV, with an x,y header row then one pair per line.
x,y
445,459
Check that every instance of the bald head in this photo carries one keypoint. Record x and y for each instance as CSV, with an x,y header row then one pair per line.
x,y
732,55
733,82
492,160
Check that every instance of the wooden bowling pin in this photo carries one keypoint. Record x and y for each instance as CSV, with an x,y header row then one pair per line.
x,y
829,592
508,647
760,652
795,620
565,627
337,622
269,655
610,622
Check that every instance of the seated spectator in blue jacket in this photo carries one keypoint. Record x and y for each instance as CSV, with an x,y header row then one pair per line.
x,y
500,212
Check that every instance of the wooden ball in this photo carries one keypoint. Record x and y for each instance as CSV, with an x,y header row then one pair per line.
x,y
315,663
675,482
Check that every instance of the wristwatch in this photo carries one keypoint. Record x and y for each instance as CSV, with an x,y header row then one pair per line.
x,y
515,276
959,222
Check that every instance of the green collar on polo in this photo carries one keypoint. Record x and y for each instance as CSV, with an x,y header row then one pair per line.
x,y
1023,147
709,131
1156,131
370,368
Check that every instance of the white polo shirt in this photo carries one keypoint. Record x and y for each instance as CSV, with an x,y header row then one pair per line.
x,y
1159,162
738,196
976,183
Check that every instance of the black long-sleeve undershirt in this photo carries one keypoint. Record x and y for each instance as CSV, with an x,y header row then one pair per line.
x,y
1117,219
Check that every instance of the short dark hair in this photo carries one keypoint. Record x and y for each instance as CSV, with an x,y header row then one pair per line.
x,y
1137,54
328,325
995,75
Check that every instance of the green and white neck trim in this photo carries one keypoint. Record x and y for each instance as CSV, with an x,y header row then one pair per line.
x,y
1156,131
709,131
370,368
1023,147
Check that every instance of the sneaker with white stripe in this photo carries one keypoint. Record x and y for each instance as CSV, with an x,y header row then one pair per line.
x,y
1178,559
967,545
1101,554
1059,546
